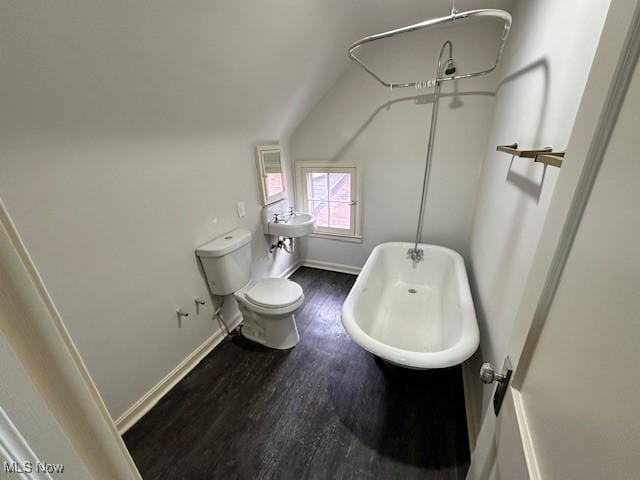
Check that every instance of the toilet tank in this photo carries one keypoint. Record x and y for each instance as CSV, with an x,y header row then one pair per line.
x,y
227,261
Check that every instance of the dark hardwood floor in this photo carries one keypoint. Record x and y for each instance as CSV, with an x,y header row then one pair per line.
x,y
324,410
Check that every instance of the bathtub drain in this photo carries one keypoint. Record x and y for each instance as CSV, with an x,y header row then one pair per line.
x,y
413,290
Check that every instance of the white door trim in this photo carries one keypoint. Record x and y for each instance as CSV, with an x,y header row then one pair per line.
x,y
33,327
15,448
525,434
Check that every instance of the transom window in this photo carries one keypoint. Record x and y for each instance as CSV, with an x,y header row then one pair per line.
x,y
330,192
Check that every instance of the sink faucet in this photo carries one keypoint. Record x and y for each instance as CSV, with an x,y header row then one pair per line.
x,y
279,217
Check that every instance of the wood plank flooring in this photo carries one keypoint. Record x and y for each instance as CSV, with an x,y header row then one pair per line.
x,y
324,410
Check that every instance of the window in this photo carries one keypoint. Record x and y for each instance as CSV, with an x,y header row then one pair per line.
x,y
330,192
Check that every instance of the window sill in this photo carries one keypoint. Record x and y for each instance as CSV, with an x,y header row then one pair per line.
x,y
340,238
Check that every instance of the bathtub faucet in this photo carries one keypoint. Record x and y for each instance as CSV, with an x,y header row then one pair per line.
x,y
415,254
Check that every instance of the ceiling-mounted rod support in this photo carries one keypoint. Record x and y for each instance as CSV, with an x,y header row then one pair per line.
x,y
455,15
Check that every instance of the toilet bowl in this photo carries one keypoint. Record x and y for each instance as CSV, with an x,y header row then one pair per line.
x,y
268,308
267,305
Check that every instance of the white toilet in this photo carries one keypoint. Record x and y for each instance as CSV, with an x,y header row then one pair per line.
x,y
267,305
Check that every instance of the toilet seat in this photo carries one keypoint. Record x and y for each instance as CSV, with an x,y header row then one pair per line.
x,y
274,293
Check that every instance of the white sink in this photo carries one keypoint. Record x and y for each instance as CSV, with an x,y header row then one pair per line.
x,y
297,225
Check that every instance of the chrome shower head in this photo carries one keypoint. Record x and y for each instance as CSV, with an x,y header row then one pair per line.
x,y
450,69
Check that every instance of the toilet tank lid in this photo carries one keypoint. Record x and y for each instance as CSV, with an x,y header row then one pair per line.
x,y
225,244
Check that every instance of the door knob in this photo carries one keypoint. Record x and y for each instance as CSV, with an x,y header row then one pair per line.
x,y
488,374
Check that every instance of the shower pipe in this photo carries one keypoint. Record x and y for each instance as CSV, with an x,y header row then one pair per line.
x,y
415,253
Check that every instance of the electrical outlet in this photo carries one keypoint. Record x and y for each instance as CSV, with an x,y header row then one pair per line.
x,y
241,210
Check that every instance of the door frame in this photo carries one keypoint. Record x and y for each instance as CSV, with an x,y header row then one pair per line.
x,y
38,337
597,115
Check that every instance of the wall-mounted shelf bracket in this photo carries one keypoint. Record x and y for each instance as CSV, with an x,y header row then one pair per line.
x,y
514,150
544,155
553,158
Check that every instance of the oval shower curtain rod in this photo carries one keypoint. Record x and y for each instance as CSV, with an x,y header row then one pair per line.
x,y
455,15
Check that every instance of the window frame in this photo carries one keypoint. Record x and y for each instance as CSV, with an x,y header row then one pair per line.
x,y
305,167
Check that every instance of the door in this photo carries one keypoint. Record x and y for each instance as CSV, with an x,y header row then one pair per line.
x,y
571,409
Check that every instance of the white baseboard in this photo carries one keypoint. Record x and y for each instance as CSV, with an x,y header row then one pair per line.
x,y
334,267
291,269
136,411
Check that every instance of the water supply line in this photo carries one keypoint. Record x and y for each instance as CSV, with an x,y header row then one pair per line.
x,y
217,314
281,242
290,248
417,254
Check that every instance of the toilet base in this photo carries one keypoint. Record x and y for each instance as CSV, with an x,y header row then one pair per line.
x,y
277,331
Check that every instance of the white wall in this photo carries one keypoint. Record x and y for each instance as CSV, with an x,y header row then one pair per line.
x,y
543,75
359,120
113,224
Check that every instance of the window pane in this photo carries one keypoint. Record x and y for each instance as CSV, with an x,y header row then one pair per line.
x,y
340,186
340,216
321,212
274,184
317,185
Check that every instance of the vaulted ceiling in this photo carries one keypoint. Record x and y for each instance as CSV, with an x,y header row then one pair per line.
x,y
164,67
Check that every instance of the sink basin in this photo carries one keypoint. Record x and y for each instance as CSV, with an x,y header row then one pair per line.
x,y
297,225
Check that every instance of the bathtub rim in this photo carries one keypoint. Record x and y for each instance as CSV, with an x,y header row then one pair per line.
x,y
454,355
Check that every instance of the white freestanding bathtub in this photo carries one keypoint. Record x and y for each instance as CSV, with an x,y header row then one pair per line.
x,y
418,315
